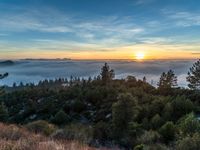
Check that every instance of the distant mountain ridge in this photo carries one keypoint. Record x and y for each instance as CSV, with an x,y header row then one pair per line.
x,y
7,63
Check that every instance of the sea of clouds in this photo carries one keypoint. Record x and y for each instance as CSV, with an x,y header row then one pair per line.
x,y
27,71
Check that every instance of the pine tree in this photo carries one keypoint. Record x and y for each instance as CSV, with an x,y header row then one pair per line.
x,y
1,77
194,76
167,80
107,74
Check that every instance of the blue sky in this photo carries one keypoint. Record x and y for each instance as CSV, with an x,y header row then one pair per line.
x,y
91,29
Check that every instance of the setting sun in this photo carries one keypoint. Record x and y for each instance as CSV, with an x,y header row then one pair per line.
x,y
139,56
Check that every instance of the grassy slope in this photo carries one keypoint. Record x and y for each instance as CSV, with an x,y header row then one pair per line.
x,y
13,137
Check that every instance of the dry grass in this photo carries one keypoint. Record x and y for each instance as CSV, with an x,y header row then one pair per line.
x,y
13,137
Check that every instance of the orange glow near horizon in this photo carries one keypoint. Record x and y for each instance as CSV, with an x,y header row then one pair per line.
x,y
139,56
135,52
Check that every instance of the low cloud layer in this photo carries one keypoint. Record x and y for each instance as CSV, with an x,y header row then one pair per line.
x,y
32,71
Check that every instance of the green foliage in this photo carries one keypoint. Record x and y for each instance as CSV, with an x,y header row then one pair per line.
x,y
41,126
107,74
167,81
156,146
95,112
3,113
168,131
156,121
60,118
79,132
77,106
168,111
139,147
149,137
123,112
194,76
181,106
189,143
189,124
102,131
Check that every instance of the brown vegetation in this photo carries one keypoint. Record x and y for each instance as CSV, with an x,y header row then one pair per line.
x,y
14,137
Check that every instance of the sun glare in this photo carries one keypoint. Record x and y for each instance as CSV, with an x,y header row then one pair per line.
x,y
139,56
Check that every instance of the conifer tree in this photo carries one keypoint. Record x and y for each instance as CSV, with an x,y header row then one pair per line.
x,y
167,80
107,74
194,76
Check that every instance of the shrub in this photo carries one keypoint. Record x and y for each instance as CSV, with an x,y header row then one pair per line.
x,y
139,147
149,137
12,132
156,147
75,132
41,126
60,118
189,143
79,132
102,131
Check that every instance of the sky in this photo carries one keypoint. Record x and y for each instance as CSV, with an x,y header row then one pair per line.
x,y
100,29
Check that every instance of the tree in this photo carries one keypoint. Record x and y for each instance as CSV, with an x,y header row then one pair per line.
x,y
167,80
189,124
181,106
123,112
194,76
107,74
1,77
3,113
60,118
156,121
168,131
144,79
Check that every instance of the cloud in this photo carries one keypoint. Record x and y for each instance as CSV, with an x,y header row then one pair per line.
x,y
144,2
196,53
183,18
33,71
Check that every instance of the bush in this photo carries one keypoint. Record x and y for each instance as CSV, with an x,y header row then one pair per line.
x,y
12,132
41,126
60,118
189,143
139,147
156,147
149,137
102,131
79,132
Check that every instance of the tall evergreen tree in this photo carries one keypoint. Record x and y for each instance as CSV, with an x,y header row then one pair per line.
x,y
167,80
3,109
107,74
194,76
1,77
123,112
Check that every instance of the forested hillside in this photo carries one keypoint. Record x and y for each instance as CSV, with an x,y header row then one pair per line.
x,y
104,111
